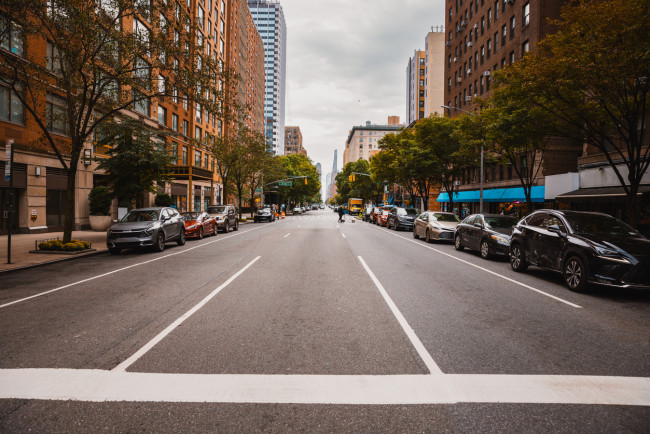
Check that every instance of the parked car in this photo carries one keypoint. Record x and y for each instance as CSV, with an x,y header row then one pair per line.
x,y
488,234
146,227
585,247
264,214
382,219
226,217
296,210
376,213
433,225
198,224
367,214
401,218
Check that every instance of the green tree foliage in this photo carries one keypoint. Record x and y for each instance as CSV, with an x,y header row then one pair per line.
x,y
137,161
362,187
592,78
299,191
103,57
99,200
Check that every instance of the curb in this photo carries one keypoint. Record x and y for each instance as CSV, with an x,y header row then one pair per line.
x,y
54,261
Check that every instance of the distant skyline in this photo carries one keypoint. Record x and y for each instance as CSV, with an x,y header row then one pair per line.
x,y
346,64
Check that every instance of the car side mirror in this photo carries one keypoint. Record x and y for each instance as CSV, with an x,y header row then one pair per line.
x,y
556,230
478,225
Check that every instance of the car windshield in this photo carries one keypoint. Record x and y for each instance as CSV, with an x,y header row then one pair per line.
x,y
140,216
407,211
187,216
500,222
384,212
217,210
264,211
600,225
442,217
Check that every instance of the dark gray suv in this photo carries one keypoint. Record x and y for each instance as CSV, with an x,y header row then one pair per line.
x,y
146,227
226,216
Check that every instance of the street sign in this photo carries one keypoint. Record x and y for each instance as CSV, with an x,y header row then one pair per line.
x,y
258,190
8,159
286,183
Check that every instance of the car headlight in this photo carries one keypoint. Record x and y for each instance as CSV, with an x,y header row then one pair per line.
x,y
192,226
149,230
500,239
610,254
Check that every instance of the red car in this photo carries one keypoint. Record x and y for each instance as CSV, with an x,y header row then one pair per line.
x,y
382,219
198,224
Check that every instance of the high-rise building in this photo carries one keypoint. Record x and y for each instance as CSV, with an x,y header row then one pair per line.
x,y
334,164
269,19
415,86
434,82
362,142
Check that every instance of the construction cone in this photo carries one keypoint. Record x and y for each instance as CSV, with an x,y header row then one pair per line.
x,y
283,216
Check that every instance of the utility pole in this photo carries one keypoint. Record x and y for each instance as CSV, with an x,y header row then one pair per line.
x,y
9,161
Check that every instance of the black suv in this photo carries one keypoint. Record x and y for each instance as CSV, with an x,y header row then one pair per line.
x,y
585,247
226,216
401,218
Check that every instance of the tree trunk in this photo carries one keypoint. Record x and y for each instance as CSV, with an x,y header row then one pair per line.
x,y
68,225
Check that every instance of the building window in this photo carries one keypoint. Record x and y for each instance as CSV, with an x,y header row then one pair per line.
x,y
56,114
201,17
489,18
482,25
496,10
141,103
162,115
53,59
184,161
11,37
489,47
11,109
197,133
482,54
174,122
512,57
186,127
197,158
524,48
512,27
526,15
496,42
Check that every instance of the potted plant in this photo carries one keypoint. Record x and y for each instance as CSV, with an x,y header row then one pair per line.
x,y
100,200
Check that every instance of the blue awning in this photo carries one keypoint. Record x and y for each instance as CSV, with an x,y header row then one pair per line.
x,y
498,195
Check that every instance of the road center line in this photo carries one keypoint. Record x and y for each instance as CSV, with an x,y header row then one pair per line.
x,y
128,362
287,235
126,268
343,235
488,271
419,347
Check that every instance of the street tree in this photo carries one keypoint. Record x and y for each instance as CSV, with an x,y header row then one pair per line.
x,y
392,163
301,189
102,58
592,78
362,186
137,159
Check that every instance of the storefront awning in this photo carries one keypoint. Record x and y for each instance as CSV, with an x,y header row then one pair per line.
x,y
498,195
599,192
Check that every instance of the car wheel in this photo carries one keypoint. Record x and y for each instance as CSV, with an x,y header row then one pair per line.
x,y
458,243
114,251
415,233
485,249
575,274
427,236
396,225
517,260
182,237
236,228
159,246
226,228
200,233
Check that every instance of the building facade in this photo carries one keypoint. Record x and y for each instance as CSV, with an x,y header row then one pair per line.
x,y
434,82
362,141
40,181
415,86
293,141
269,19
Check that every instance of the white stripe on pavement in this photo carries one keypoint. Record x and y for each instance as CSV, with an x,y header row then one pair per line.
x,y
287,235
343,235
98,386
419,347
126,268
128,362
539,291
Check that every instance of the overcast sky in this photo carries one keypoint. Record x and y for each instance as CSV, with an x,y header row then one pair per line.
x,y
346,64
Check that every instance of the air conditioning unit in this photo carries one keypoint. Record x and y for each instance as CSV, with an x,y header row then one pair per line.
x,y
469,70
459,80
463,23
469,44
455,59
476,26
448,43
468,98
487,73
475,95
458,29
456,183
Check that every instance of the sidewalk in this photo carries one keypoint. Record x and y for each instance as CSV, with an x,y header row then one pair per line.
x,y
21,244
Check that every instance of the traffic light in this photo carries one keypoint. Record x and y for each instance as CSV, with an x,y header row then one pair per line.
x,y
351,178
305,181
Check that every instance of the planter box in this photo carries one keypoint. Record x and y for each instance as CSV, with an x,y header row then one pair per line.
x,y
99,223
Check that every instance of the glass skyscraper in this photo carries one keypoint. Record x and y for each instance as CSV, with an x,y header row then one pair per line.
x,y
269,19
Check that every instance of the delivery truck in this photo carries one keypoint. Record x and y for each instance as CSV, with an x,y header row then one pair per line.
x,y
355,205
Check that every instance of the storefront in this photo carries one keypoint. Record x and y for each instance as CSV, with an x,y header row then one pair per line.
x,y
19,190
495,201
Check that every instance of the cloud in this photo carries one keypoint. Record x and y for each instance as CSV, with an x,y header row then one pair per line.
x,y
346,63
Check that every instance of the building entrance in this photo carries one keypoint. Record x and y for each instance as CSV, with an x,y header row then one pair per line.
x,y
4,212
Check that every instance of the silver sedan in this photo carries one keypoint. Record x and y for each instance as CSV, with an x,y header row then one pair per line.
x,y
433,225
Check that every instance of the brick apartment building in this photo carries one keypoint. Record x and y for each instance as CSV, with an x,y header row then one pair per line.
x,y
293,141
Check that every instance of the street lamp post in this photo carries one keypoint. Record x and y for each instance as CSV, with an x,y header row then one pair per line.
x,y
481,181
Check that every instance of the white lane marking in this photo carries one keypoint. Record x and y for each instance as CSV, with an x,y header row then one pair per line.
x,y
97,386
488,271
287,235
128,362
126,268
343,235
419,347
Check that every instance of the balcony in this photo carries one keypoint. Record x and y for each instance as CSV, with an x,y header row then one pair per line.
x,y
184,172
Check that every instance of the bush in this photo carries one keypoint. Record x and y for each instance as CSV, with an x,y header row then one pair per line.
x,y
100,200
57,245
163,199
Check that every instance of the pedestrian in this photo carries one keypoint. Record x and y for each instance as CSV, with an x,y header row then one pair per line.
x,y
341,212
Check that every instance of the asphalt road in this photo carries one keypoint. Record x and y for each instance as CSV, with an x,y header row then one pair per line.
x,y
310,325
